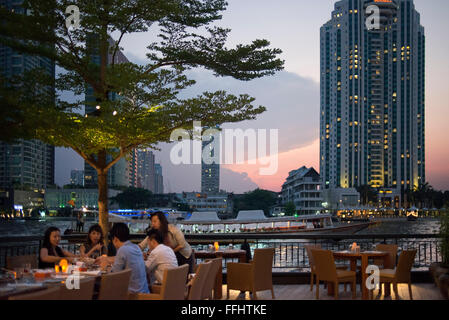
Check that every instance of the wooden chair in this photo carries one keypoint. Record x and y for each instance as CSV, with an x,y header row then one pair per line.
x,y
47,294
211,278
20,261
392,249
85,291
254,276
327,271
312,264
402,274
173,286
198,282
114,286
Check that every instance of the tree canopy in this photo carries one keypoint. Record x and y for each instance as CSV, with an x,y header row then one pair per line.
x,y
258,199
147,107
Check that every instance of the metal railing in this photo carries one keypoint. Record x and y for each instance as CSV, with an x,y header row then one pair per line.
x,y
290,253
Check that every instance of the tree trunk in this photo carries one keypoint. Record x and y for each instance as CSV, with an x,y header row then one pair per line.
x,y
103,217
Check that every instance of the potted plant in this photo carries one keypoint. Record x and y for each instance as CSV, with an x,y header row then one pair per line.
x,y
440,271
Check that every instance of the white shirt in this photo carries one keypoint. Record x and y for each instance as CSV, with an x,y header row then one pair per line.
x,y
176,238
160,259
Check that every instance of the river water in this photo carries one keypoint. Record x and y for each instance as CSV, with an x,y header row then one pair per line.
x,y
386,226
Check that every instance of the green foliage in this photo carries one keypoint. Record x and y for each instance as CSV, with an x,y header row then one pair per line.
x,y
444,233
133,198
149,106
290,209
255,200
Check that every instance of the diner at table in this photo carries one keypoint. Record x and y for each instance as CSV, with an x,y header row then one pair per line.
x,y
94,246
173,237
129,256
161,257
51,253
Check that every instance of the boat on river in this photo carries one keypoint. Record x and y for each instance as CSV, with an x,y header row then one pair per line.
x,y
247,222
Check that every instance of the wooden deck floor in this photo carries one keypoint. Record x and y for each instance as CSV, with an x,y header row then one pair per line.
x,y
302,292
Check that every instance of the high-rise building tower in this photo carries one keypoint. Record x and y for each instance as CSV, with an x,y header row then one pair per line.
x,y
146,170
210,172
25,164
159,180
373,96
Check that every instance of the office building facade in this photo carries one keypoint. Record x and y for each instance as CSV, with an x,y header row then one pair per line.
x,y
373,97
25,164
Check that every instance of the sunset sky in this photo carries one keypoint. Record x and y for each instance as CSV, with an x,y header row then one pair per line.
x,y
292,96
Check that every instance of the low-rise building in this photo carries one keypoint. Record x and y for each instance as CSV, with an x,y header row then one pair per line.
x,y
303,188
83,198
222,203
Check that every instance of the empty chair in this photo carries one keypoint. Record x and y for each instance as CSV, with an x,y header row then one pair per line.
x,y
198,282
211,278
401,274
173,286
114,286
20,261
254,276
390,262
47,294
85,291
312,264
326,270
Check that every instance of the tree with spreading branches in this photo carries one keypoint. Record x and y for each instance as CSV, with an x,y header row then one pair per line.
x,y
148,107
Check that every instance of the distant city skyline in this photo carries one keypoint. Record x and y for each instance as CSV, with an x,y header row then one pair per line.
x,y
292,97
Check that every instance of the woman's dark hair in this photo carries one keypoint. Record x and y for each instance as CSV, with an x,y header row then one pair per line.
x,y
164,222
120,231
156,235
46,243
97,228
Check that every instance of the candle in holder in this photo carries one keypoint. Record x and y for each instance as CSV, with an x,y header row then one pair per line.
x,y
63,264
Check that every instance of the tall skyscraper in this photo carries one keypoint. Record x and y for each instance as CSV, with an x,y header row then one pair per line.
x,y
25,164
159,180
146,170
373,97
119,174
210,172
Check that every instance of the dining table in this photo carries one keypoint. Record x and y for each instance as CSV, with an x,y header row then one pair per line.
x,y
364,256
224,254
30,282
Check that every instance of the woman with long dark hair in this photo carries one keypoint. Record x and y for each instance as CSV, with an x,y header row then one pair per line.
x,y
173,237
50,252
94,246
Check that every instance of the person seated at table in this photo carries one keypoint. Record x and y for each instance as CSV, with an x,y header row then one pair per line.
x,y
173,238
161,257
50,253
94,246
129,256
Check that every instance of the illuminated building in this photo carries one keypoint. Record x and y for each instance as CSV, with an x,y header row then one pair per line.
x,y
373,97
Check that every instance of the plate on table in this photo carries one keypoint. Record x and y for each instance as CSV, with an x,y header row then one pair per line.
x,y
93,273
24,285
5,289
